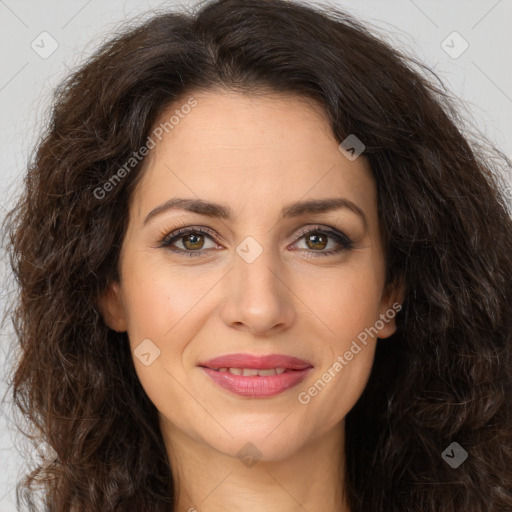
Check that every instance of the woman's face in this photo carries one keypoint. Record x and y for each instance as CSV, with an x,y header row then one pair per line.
x,y
275,277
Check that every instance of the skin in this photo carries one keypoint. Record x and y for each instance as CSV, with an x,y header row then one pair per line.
x,y
254,154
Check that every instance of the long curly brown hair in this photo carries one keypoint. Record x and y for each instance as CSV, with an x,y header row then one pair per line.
x,y
444,377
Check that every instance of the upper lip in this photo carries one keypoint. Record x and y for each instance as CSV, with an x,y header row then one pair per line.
x,y
262,362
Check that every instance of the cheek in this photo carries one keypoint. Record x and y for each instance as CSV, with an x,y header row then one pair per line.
x,y
165,309
344,299
348,306
346,366
161,296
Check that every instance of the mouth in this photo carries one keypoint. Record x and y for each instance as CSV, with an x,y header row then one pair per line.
x,y
256,376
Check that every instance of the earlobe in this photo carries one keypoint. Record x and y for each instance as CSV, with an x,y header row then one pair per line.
x,y
112,309
386,323
391,305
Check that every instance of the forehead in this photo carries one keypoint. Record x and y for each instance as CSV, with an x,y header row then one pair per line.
x,y
260,150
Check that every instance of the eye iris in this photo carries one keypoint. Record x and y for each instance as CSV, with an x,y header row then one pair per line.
x,y
192,238
322,238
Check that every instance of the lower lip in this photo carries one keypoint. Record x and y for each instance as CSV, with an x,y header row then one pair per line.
x,y
256,386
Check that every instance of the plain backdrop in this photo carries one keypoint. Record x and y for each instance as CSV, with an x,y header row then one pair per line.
x,y
467,42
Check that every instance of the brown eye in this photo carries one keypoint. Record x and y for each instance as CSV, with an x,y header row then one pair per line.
x,y
193,241
190,242
316,240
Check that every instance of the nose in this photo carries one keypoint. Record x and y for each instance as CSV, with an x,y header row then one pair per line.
x,y
258,298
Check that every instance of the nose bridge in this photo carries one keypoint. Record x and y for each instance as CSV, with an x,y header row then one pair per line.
x,y
256,267
258,296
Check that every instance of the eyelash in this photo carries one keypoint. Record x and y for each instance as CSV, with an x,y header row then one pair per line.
x,y
167,239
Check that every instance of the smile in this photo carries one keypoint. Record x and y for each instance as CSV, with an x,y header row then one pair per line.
x,y
255,376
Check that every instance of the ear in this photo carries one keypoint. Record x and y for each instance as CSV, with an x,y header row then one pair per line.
x,y
112,308
391,304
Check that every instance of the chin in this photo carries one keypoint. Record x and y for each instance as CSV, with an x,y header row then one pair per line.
x,y
262,443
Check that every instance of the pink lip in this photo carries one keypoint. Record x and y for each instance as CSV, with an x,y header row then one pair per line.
x,y
260,362
256,386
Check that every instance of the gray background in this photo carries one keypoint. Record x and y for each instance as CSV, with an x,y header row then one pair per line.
x,y
481,76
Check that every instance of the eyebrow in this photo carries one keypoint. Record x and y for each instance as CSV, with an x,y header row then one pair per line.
x,y
216,210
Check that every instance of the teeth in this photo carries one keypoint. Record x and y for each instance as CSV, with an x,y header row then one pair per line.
x,y
250,372
265,373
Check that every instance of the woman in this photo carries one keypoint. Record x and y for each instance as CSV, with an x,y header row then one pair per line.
x,y
261,268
